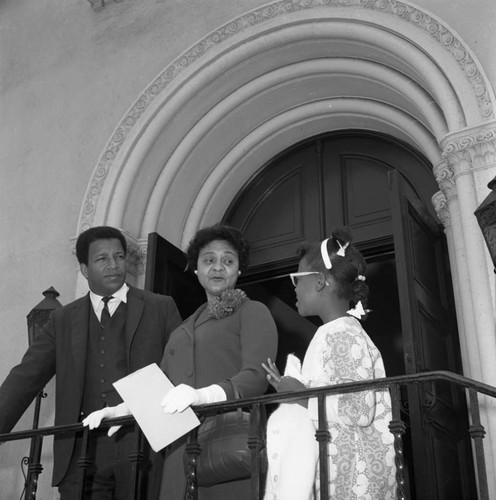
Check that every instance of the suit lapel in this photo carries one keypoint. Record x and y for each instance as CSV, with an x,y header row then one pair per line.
x,y
79,329
135,306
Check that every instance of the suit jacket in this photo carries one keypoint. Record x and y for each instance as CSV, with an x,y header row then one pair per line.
x,y
60,349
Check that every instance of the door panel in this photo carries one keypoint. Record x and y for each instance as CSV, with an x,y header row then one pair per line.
x,y
359,174
355,170
437,412
280,195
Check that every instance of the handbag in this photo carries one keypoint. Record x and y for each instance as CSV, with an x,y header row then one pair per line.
x,y
224,452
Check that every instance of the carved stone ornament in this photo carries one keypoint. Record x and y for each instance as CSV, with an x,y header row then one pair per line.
x,y
471,149
100,4
445,178
136,255
440,204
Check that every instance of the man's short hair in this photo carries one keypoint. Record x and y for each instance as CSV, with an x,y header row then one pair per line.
x,y
93,234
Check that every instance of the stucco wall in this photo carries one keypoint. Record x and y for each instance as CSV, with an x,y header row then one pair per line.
x,y
67,76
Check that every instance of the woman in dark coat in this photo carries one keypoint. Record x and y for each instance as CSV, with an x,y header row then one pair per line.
x,y
221,346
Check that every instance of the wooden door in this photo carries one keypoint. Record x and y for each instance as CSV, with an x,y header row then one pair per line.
x,y
166,273
440,444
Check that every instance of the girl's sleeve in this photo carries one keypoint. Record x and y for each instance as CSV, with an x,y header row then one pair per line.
x,y
345,357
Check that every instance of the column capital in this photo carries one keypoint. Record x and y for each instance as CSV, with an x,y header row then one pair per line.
x,y
470,149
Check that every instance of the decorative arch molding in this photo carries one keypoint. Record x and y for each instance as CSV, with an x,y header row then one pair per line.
x,y
431,74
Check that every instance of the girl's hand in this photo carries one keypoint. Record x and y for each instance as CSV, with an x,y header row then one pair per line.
x,y
290,384
281,384
273,375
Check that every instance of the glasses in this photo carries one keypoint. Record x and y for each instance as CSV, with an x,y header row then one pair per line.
x,y
294,276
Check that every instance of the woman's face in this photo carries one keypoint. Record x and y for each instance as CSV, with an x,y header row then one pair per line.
x,y
217,267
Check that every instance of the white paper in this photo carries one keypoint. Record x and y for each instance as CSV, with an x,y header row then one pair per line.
x,y
142,392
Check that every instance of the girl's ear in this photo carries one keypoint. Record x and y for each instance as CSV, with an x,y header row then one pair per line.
x,y
322,282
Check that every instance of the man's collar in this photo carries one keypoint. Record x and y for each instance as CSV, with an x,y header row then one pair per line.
x,y
121,295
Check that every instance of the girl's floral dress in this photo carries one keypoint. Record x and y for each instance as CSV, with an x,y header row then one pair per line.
x,y
360,451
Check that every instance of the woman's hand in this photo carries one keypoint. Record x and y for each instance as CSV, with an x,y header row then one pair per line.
x,y
93,420
182,396
179,398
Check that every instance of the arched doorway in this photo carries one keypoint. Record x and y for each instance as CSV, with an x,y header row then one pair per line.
x,y
381,188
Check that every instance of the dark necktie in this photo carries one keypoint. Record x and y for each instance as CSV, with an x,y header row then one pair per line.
x,y
105,311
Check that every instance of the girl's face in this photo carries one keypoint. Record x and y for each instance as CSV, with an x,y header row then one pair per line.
x,y
217,267
306,290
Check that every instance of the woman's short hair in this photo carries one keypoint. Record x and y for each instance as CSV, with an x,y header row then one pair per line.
x,y
86,238
219,232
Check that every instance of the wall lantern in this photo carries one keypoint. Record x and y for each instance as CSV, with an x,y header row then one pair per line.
x,y
486,216
40,313
37,318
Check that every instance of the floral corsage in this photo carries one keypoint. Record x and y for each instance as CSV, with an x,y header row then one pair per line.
x,y
226,303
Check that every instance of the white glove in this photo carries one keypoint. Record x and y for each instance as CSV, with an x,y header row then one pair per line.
x,y
182,396
93,420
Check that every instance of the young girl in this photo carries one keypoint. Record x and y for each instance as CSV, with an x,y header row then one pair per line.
x,y
330,280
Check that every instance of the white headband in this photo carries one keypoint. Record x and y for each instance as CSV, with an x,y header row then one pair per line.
x,y
325,254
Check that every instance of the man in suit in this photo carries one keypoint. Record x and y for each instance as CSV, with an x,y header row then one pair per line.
x,y
90,343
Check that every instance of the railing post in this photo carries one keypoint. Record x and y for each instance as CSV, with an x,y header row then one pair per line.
x,y
33,461
193,450
83,462
136,459
398,428
256,444
323,436
477,433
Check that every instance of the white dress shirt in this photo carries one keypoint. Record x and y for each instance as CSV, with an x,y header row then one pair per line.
x,y
113,303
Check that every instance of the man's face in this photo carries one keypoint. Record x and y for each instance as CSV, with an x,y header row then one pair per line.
x,y
106,269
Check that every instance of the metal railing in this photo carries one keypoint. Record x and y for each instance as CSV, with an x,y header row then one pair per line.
x,y
258,412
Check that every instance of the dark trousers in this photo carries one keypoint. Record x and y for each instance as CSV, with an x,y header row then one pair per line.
x,y
110,473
